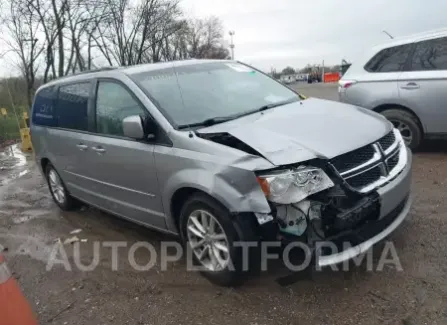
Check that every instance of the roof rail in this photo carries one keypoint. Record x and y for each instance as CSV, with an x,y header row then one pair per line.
x,y
85,72
94,70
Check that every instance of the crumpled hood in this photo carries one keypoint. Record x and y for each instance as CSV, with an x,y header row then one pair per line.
x,y
300,131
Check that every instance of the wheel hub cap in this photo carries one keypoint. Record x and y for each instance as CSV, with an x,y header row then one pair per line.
x,y
404,130
56,187
208,240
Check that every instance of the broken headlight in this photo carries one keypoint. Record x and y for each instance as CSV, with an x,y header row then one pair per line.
x,y
294,185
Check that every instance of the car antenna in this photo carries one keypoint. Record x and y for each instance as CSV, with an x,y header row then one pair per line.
x,y
191,133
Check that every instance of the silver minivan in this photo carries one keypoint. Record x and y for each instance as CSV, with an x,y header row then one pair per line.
x,y
405,80
221,154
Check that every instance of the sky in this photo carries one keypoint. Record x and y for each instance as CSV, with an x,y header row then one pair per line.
x,y
279,33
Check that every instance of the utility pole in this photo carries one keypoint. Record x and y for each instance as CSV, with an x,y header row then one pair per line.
x,y
388,34
231,44
322,74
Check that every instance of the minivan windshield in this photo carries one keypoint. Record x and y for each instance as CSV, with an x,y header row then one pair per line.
x,y
208,93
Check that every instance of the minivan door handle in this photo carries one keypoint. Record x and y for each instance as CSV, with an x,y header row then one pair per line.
x,y
99,149
82,147
410,85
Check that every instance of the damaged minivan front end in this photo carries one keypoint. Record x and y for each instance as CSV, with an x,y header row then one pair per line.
x,y
359,197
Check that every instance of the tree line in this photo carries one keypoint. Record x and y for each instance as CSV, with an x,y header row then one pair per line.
x,y
47,39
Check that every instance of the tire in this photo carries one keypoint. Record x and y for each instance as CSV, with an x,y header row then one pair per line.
x,y
236,228
408,124
67,203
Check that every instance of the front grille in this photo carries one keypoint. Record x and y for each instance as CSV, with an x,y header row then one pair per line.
x,y
393,161
365,168
365,178
353,159
387,141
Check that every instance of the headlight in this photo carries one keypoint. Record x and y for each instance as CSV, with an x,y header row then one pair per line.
x,y
294,185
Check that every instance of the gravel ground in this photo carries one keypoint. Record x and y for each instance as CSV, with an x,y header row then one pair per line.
x,y
30,223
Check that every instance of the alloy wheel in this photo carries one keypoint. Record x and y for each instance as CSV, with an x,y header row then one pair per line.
x,y
208,240
405,131
56,186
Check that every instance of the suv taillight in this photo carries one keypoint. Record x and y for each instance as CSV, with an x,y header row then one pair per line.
x,y
345,84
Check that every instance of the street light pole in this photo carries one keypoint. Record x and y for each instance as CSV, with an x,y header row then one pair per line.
x,y
231,44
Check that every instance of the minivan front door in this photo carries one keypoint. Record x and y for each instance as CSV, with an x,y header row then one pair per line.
x,y
423,87
122,172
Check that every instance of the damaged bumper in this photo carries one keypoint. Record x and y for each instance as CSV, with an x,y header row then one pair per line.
x,y
395,205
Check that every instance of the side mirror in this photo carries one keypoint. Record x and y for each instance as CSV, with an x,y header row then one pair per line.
x,y
133,127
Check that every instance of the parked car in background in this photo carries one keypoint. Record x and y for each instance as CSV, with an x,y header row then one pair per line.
x,y
219,153
405,80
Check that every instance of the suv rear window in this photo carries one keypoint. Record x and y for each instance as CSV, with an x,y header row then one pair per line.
x,y
392,59
430,55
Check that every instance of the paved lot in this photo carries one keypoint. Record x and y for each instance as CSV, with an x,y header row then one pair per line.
x,y
30,223
325,91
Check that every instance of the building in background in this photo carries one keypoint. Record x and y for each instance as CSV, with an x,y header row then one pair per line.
x,y
291,78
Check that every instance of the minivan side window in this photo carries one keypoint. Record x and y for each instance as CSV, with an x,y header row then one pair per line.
x,y
389,60
44,112
113,104
72,105
430,55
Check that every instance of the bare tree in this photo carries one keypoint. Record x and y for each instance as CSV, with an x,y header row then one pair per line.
x,y
134,35
44,9
64,36
205,39
23,26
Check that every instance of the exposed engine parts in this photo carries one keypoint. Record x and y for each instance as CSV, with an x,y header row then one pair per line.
x,y
291,220
327,214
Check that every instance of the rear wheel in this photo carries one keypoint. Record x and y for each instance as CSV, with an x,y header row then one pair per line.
x,y
58,190
210,231
407,124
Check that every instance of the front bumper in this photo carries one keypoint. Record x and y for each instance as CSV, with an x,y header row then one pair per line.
x,y
394,195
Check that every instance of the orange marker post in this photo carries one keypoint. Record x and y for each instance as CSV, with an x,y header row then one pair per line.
x,y
14,308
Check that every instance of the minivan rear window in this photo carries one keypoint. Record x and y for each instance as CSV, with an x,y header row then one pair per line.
x,y
72,104
44,112
392,59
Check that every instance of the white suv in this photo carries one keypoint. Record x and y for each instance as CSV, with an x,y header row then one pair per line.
x,y
405,80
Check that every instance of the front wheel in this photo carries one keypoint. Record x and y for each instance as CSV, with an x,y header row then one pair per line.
x,y
211,233
407,124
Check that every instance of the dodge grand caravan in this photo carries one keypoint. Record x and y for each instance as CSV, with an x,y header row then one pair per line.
x,y
219,153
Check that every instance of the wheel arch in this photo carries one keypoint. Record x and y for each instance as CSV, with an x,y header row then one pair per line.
x,y
44,163
185,183
383,107
179,198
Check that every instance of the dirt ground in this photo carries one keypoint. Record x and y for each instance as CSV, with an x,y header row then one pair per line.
x,y
30,223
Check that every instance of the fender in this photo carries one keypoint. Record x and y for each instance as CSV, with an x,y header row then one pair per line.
x,y
236,196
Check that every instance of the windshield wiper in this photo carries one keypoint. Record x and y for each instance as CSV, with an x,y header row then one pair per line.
x,y
272,105
221,119
208,122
